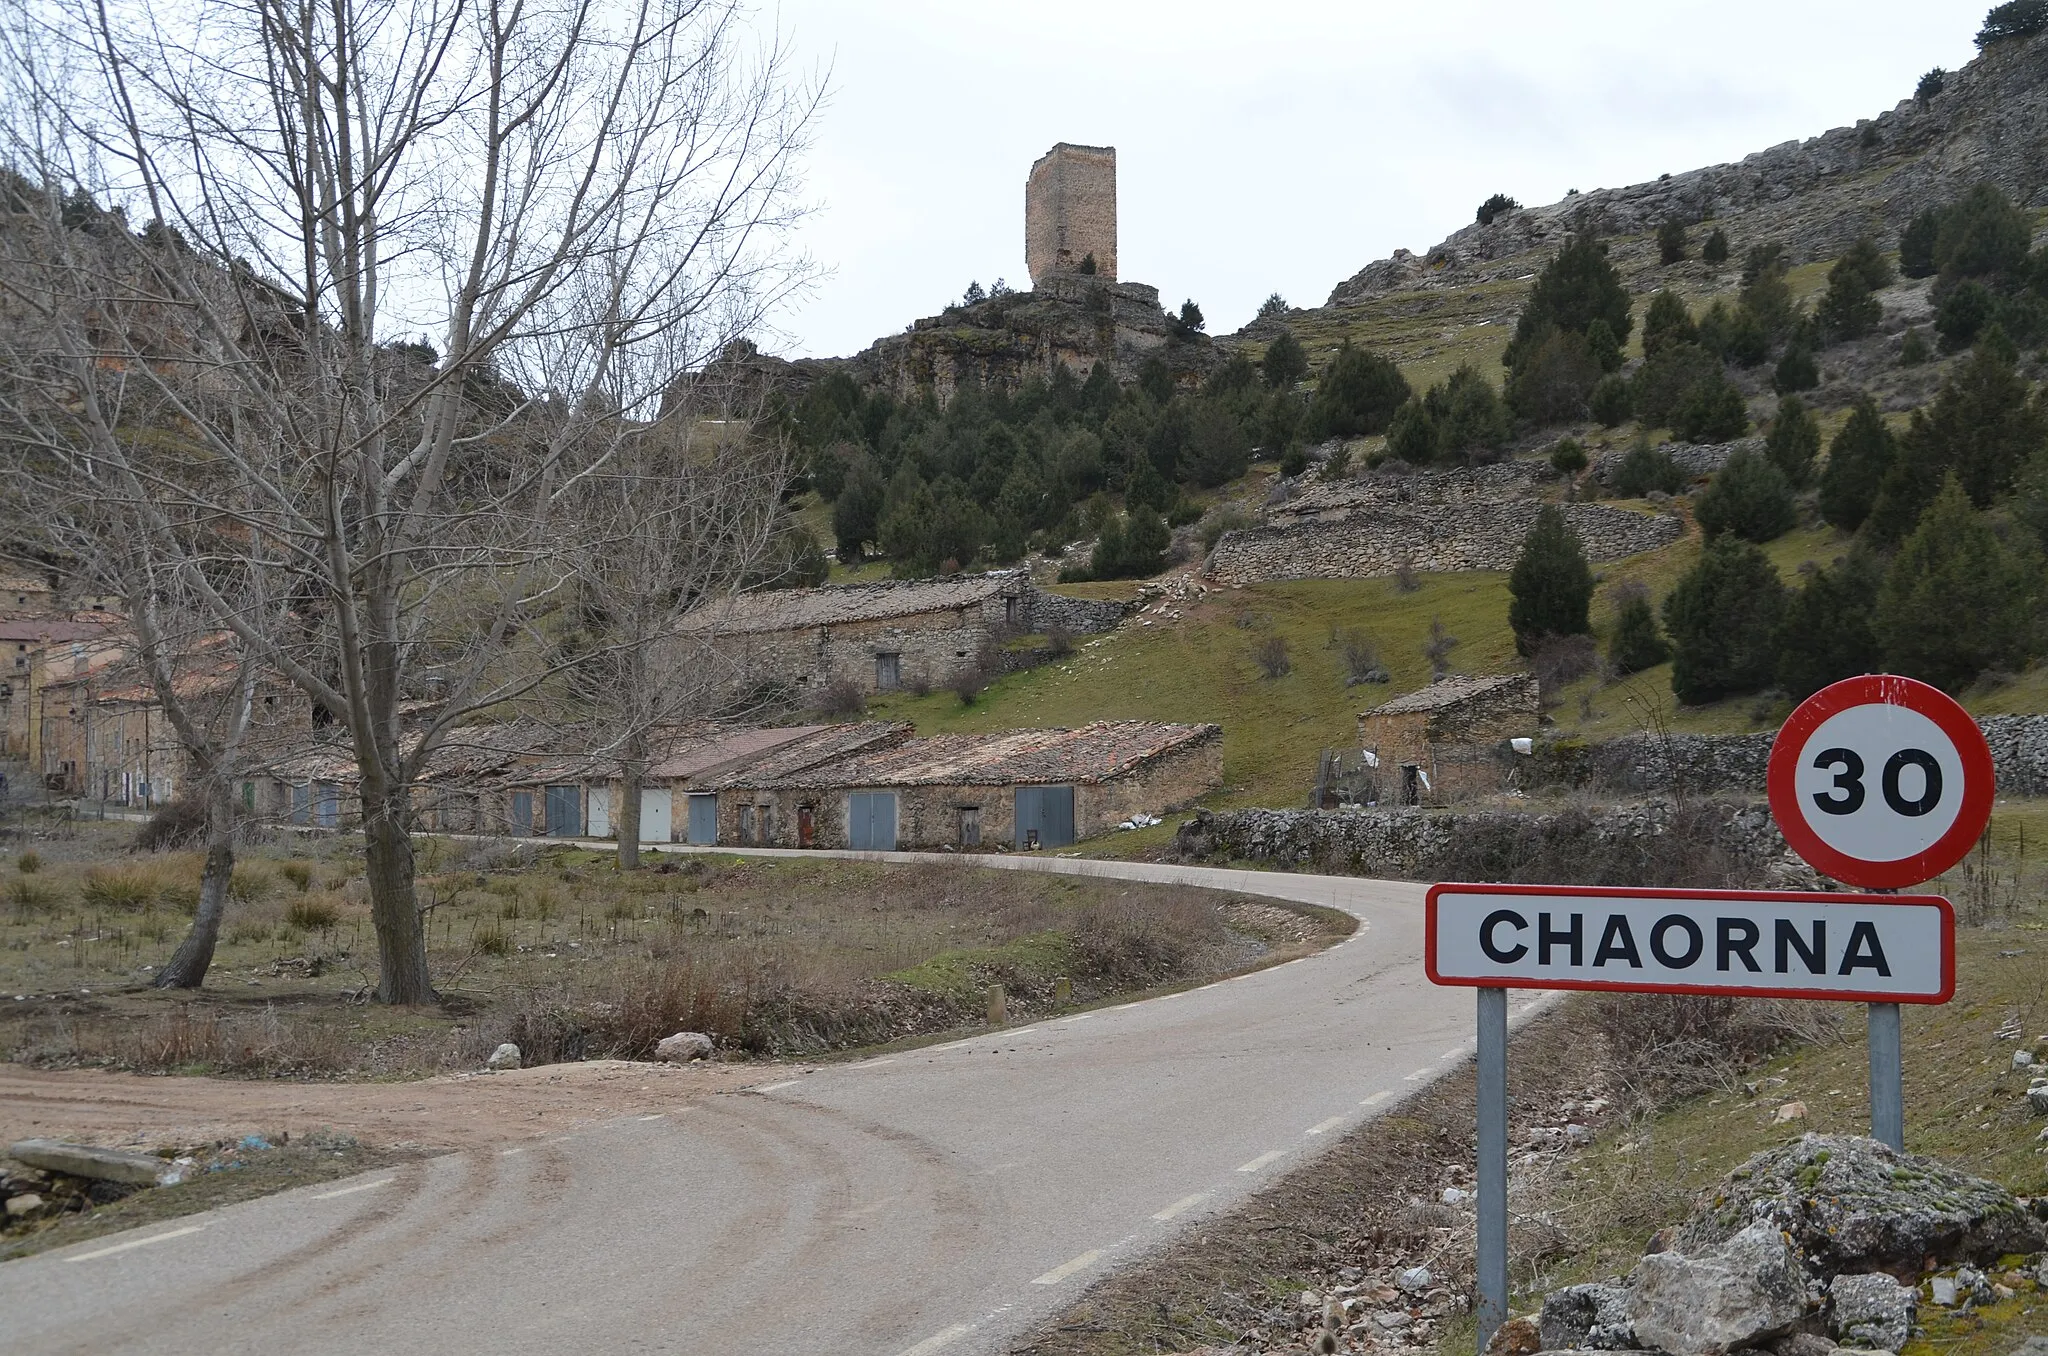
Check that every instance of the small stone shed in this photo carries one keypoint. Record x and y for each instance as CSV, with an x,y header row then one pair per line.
x,y
1443,742
694,778
1019,789
884,636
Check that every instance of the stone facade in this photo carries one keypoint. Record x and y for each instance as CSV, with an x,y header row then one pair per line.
x,y
1070,212
881,637
1449,732
1471,518
1648,844
960,791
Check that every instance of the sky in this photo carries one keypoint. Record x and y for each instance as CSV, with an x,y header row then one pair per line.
x,y
1284,146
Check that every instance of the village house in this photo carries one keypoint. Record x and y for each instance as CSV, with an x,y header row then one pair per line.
x,y
1446,741
1019,789
693,777
913,633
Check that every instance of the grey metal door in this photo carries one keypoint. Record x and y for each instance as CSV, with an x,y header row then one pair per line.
x,y
565,811
1047,812
703,829
871,820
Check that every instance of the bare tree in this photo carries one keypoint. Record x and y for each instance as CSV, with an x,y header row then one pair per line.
x,y
320,184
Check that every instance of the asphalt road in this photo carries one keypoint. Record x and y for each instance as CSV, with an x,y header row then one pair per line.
x,y
945,1199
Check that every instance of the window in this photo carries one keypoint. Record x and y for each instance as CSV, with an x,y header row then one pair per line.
x,y
888,672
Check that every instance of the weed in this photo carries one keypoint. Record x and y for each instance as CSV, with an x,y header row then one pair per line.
x,y
1270,653
31,897
28,863
248,934
313,914
113,887
494,941
250,883
300,874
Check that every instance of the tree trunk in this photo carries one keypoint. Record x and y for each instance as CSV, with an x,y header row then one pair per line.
x,y
626,819
394,906
188,966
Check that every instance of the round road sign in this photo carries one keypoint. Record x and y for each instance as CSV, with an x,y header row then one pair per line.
x,y
1881,781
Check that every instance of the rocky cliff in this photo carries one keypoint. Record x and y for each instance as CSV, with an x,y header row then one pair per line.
x,y
1816,196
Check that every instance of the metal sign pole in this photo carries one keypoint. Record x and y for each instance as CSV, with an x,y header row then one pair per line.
x,y
1887,1077
1493,1162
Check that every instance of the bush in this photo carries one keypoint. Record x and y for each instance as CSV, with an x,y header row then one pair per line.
x,y
1285,361
108,887
840,697
1551,586
177,825
312,915
1794,441
1189,322
1270,653
1611,403
1553,378
2015,19
1956,601
1671,243
1499,205
1723,622
1712,412
29,862
1667,322
1636,644
1568,458
1983,236
1468,415
1661,384
1715,250
1361,659
1857,460
1916,244
1748,497
300,874
1850,309
1358,395
1914,348
969,683
1826,635
1131,547
1964,314
1796,371
1930,85
1645,469
1412,437
1867,261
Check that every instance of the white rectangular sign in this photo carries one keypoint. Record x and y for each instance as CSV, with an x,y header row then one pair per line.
x,y
1764,943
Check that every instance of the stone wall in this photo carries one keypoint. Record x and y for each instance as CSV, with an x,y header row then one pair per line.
x,y
1655,843
1046,612
1070,211
1708,764
1469,535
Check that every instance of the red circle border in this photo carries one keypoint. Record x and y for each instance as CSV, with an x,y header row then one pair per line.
x,y
1882,689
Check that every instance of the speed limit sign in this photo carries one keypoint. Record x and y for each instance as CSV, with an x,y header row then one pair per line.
x,y
1881,781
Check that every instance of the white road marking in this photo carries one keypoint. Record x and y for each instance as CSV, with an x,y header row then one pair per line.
x,y
1068,1268
1324,1127
1382,1095
655,1117
1077,1017
875,1063
1023,1031
1263,1159
940,1340
1181,1206
135,1243
777,1087
507,1153
1423,1072
1455,1052
352,1190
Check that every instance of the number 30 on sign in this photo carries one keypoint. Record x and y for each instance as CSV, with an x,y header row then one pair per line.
x,y
1881,781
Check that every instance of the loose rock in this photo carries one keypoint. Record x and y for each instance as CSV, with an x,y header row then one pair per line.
x,y
90,1161
683,1047
505,1056
1517,1337
1589,1317
1415,1280
25,1204
1872,1310
1791,1111
1747,1290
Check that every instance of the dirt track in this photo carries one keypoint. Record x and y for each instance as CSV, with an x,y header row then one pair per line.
x,y
457,1111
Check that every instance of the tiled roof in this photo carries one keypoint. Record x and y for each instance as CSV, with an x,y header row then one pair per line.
x,y
55,629
1092,753
1447,692
705,750
818,744
795,609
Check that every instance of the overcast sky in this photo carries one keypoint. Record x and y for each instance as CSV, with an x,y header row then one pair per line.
x,y
1283,146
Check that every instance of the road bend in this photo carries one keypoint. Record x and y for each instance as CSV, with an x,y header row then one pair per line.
x,y
943,1199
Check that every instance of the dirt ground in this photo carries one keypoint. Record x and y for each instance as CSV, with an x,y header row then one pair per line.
x,y
454,1111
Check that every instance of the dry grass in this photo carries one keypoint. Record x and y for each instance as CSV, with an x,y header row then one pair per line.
x,y
557,951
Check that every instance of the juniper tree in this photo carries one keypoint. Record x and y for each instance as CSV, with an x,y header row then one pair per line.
x,y
1957,601
1715,250
1612,402
1849,309
1666,322
1357,396
1826,634
1284,362
1636,644
1857,461
1749,498
1794,441
1796,370
1916,244
1712,412
1723,622
1671,243
1551,586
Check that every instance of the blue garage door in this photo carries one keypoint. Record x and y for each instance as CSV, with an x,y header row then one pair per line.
x,y
871,820
701,828
1047,811
565,811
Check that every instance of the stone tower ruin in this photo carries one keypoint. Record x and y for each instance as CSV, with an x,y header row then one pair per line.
x,y
1070,212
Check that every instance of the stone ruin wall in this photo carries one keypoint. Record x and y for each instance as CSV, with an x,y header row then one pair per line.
x,y
1070,211
1432,538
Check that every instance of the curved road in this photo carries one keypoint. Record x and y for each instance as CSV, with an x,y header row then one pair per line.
x,y
943,1199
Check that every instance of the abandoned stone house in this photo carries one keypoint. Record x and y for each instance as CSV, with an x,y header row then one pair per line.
x,y
1070,212
1019,789
1446,741
916,633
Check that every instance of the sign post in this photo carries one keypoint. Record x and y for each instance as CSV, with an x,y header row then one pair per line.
x,y
1493,1161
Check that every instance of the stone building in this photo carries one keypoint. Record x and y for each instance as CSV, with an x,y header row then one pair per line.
x,y
1021,789
1070,212
881,637
1445,742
